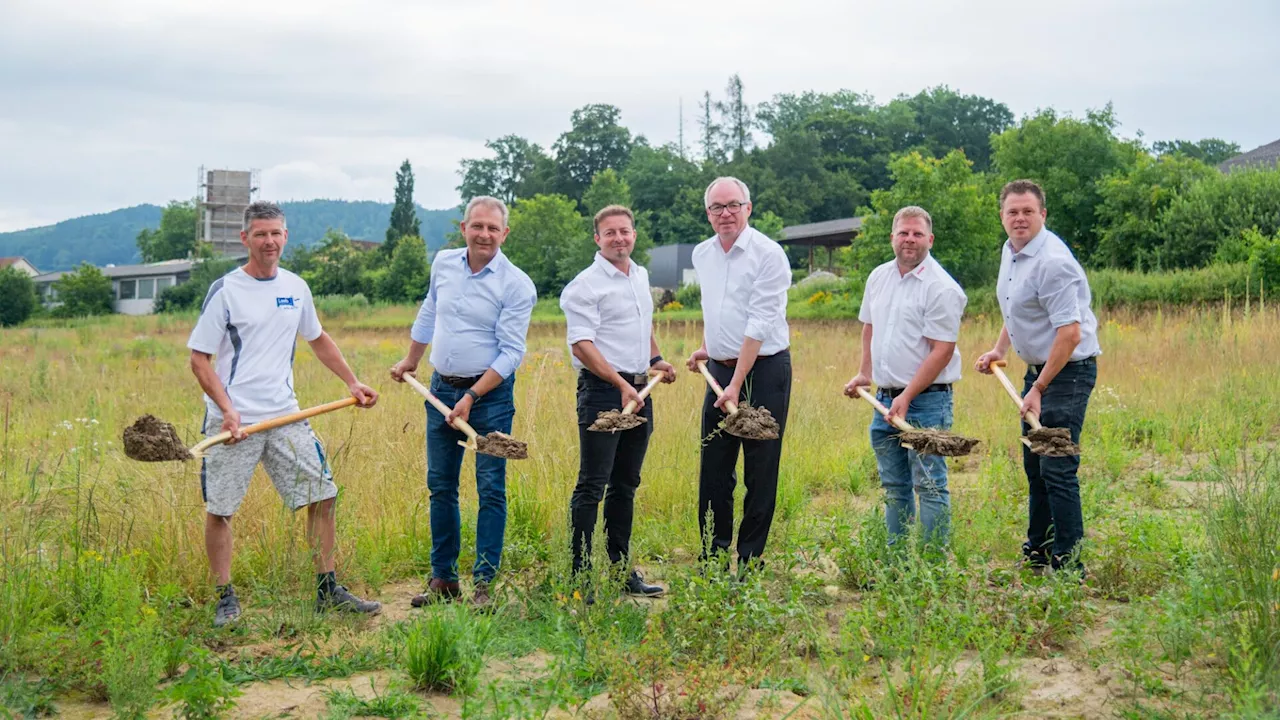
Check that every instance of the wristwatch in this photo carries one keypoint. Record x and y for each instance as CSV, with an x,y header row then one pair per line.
x,y
475,397
655,360
1040,386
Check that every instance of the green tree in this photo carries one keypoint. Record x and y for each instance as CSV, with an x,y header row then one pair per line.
x,y
406,278
17,296
1129,233
544,229
768,223
175,238
594,141
1217,210
517,170
190,294
735,119
404,216
338,267
667,192
710,133
945,120
964,208
790,110
1068,157
84,291
1210,151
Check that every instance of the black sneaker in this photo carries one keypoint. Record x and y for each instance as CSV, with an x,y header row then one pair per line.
x,y
636,586
227,609
340,598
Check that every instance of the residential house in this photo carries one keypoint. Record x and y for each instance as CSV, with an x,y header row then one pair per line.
x,y
20,264
1266,157
135,286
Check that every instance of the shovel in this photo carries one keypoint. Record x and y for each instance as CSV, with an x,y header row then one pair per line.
x,y
495,443
1050,442
150,439
926,441
748,422
613,421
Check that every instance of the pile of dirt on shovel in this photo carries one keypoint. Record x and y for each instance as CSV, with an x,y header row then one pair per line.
x,y
614,420
752,423
1053,442
938,442
151,439
502,445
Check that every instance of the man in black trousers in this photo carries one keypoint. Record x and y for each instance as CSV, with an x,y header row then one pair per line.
x,y
609,314
744,276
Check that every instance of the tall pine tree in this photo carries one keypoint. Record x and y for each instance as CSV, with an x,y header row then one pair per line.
x,y
404,218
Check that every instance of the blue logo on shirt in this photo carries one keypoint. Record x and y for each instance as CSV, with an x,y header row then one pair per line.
x,y
284,302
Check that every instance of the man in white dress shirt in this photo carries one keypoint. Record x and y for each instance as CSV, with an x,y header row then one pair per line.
x,y
609,313
744,276
1044,298
911,310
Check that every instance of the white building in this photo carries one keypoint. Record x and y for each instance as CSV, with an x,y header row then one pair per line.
x,y
20,264
135,286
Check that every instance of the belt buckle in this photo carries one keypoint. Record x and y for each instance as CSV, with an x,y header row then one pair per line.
x,y
639,379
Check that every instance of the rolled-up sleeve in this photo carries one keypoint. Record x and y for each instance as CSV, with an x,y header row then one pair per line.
x,y
581,311
424,327
943,313
513,327
768,306
1060,293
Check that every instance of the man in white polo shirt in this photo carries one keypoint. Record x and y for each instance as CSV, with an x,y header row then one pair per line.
x,y
609,313
911,310
1044,298
251,320
744,276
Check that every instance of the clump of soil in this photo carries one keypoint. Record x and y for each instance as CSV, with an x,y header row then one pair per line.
x,y
615,420
1053,442
502,445
752,423
151,439
938,442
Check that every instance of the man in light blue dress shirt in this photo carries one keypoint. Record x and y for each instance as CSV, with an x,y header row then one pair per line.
x,y
475,318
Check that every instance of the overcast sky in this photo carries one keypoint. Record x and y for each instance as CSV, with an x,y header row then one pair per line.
x,y
118,102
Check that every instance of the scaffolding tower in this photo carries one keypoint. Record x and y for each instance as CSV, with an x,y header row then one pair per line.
x,y
223,196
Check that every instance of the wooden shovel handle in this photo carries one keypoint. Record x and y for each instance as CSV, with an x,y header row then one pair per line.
x,y
1032,420
462,425
729,405
653,382
273,423
898,422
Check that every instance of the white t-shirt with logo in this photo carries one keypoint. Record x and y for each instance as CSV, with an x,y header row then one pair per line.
x,y
251,326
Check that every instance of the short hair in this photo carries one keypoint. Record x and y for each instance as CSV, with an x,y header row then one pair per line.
x,y
911,211
613,211
746,192
263,210
1018,187
487,201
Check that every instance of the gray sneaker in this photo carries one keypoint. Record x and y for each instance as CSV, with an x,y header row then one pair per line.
x,y
341,599
228,608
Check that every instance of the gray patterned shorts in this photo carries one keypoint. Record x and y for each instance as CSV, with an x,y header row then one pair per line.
x,y
292,456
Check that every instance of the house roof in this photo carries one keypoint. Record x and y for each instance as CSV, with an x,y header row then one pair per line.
x,y
830,232
116,272
1266,156
13,260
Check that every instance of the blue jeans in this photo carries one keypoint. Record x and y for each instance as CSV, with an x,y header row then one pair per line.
x,y
903,469
494,411
1055,522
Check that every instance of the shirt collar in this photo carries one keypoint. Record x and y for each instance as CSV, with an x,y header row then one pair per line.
x,y
745,238
1033,247
494,264
610,269
921,271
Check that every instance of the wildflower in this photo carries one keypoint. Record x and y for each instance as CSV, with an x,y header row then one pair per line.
x,y
577,595
866,658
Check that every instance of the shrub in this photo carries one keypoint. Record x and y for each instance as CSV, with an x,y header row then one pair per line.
x,y
690,296
17,297
446,651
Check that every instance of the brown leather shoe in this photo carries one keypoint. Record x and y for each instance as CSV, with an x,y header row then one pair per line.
x,y
437,591
481,599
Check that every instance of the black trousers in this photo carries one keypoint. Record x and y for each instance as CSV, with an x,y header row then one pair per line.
x,y
608,469
767,385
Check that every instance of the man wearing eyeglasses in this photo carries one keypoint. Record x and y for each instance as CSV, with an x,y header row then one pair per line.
x,y
745,276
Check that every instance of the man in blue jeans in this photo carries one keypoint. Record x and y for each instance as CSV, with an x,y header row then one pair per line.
x,y
475,318
1044,298
910,316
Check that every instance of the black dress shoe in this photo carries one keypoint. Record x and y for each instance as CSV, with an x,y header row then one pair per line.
x,y
637,586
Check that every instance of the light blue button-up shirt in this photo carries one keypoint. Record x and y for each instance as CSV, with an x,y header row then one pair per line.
x,y
475,321
1041,289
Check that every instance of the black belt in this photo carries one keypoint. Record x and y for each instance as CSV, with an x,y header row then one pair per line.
x,y
462,383
936,387
1037,369
733,362
639,379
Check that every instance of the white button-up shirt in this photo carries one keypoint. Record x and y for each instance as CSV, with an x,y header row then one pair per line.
x,y
477,320
744,294
905,312
614,311
1040,290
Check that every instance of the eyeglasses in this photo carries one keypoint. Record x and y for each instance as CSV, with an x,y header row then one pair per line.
x,y
732,207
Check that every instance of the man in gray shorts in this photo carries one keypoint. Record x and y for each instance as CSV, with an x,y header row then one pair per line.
x,y
249,326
